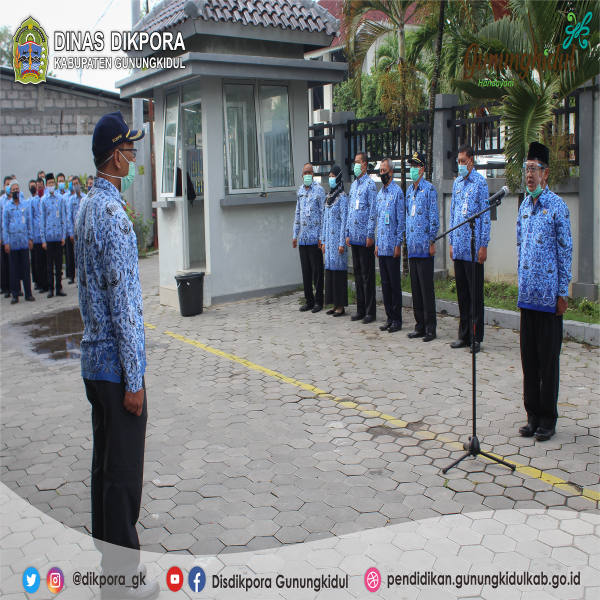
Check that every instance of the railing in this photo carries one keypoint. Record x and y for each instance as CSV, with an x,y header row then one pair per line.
x,y
484,133
321,146
364,135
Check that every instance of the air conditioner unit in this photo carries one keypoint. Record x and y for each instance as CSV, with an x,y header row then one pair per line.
x,y
322,116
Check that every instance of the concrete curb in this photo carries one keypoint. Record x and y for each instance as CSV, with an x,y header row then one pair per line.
x,y
505,319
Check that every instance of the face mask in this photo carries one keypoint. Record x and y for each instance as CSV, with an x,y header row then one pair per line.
x,y
77,188
357,169
332,182
126,180
71,185
40,193
536,192
463,171
8,190
307,180
51,189
33,190
61,186
414,173
385,177
15,195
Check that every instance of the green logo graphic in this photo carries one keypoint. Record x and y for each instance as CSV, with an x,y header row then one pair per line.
x,y
577,31
30,52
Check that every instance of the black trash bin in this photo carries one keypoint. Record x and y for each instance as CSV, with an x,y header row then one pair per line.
x,y
190,288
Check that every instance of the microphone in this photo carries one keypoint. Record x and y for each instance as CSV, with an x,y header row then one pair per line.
x,y
499,195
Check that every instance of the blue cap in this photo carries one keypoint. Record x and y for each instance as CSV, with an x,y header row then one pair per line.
x,y
111,131
416,159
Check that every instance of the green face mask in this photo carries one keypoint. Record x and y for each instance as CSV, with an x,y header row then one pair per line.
x,y
357,169
308,180
126,180
536,192
414,173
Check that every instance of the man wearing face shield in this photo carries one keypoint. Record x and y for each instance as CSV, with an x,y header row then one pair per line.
x,y
545,251
113,359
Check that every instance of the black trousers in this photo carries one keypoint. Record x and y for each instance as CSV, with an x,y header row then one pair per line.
x,y
423,294
363,263
19,270
311,261
541,340
336,287
463,275
5,270
117,474
41,266
32,262
54,262
70,250
391,286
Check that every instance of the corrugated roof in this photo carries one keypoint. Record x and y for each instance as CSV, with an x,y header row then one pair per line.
x,y
302,15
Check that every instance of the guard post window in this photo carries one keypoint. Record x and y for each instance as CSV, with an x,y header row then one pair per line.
x,y
170,143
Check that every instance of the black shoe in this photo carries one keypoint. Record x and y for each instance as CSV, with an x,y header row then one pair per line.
x,y
394,328
429,336
415,334
306,307
60,293
50,294
30,298
42,290
317,308
368,319
387,325
357,317
460,344
477,347
148,591
35,287
330,312
340,314
543,435
71,281
7,294
528,430
20,294
14,300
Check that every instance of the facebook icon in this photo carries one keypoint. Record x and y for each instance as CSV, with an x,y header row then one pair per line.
x,y
197,579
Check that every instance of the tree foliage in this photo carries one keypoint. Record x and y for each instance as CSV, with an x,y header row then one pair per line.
x,y
6,44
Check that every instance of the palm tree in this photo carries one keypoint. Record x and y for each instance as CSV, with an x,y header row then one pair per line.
x,y
527,104
362,31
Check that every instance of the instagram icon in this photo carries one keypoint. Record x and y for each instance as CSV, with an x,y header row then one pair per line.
x,y
55,580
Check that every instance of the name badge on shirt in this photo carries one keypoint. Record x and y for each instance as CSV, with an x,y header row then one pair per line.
x,y
413,211
23,218
357,203
387,218
57,214
464,208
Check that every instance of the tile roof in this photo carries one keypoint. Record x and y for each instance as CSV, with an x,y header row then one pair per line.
x,y
302,15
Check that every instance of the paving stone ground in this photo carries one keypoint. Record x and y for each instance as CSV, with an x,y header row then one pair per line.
x,y
239,461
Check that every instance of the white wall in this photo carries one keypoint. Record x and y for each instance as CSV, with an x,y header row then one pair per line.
x,y
596,176
26,155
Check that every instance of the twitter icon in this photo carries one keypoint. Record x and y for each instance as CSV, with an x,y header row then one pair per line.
x,y
31,580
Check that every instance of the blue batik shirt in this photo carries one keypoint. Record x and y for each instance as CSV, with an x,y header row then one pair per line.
x,y
17,225
334,233
53,218
469,196
72,209
110,295
36,213
308,220
422,218
545,251
391,220
362,211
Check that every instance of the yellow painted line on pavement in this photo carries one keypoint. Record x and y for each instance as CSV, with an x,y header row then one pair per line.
x,y
554,481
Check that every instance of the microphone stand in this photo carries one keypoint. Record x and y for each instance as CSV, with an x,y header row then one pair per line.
x,y
473,448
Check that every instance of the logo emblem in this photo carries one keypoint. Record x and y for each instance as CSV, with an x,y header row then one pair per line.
x,y
197,579
31,580
372,579
577,31
174,579
55,580
30,52
415,155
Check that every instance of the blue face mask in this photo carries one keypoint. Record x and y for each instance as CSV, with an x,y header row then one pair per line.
x,y
332,182
61,186
71,185
357,169
414,173
307,180
8,190
463,170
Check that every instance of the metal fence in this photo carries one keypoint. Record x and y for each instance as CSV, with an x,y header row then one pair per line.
x,y
378,140
481,129
321,146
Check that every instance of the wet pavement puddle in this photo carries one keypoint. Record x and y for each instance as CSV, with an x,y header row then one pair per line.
x,y
56,336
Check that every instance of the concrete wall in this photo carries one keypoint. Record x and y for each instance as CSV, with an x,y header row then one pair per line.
x,y
596,183
26,155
